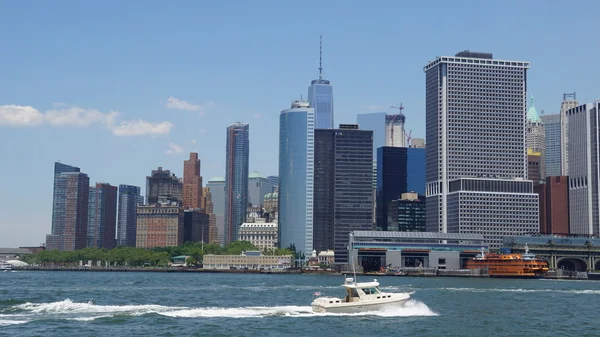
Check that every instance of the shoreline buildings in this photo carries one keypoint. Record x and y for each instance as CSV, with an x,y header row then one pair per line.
x,y
129,199
102,216
296,176
69,209
476,160
236,179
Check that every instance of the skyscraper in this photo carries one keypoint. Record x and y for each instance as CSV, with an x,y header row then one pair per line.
x,y
343,196
207,205
564,130
320,97
217,190
236,179
192,182
258,187
102,216
129,199
476,160
552,153
296,174
69,210
584,168
394,130
536,140
161,183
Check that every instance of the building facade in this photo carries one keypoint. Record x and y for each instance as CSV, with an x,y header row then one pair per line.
x,y
476,158
407,214
320,98
536,139
247,260
565,106
400,170
160,224
192,182
271,206
583,167
217,190
557,206
262,235
534,166
258,187
395,135
69,209
102,216
129,199
208,206
236,179
552,154
296,176
274,181
162,184
196,226
418,143
343,191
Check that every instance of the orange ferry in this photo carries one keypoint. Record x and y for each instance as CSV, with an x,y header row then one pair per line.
x,y
510,265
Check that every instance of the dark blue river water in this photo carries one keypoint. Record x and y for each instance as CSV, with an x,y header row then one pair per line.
x,y
204,304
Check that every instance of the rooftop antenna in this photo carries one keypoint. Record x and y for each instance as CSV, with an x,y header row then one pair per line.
x,y
571,95
320,57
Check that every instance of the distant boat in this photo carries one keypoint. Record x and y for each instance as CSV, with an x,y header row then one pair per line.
x,y
5,266
510,265
593,275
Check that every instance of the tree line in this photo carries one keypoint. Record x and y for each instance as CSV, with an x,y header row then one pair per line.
x,y
138,257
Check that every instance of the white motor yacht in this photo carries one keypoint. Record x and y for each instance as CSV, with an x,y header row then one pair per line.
x,y
360,297
5,266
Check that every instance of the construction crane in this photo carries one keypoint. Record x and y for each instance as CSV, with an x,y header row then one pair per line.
x,y
400,110
408,138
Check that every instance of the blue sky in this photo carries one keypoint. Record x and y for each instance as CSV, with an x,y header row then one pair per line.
x,y
119,88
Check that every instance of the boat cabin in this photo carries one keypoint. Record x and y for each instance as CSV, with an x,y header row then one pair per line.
x,y
357,291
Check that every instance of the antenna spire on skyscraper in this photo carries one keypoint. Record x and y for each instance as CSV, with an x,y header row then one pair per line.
x,y
320,57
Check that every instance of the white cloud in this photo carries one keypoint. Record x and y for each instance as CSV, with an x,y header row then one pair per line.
x,y
374,107
174,149
203,130
193,141
141,127
67,115
17,115
257,116
179,104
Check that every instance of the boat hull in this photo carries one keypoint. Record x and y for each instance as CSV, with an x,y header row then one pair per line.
x,y
593,276
357,307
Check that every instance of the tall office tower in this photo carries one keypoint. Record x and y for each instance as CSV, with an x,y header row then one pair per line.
x,y
343,195
583,168
196,225
320,97
258,187
161,183
552,153
569,102
557,206
400,170
69,209
395,135
296,176
192,182
536,139
129,199
208,206
274,181
160,224
476,159
217,191
102,216
236,179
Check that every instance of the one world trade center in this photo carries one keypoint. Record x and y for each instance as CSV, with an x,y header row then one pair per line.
x,y
320,97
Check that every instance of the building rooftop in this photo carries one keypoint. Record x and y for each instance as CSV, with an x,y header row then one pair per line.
x,y
272,195
255,175
217,180
532,114
417,235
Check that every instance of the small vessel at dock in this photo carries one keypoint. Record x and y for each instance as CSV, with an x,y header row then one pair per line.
x,y
510,265
360,297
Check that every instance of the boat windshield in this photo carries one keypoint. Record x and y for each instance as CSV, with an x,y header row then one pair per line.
x,y
371,291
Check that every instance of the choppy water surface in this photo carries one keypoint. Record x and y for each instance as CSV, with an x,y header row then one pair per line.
x,y
203,304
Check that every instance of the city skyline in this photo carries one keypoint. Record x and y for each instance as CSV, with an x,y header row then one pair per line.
x,y
172,103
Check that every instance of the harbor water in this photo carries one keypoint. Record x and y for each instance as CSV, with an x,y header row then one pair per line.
x,y
44,303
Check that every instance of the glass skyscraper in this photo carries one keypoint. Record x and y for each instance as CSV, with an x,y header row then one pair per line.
x,y
296,176
552,156
236,179
129,199
102,216
320,98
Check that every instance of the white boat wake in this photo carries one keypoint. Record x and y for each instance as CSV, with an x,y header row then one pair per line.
x,y
82,311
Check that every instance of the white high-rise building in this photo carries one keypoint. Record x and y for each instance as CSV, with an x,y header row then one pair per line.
x,y
564,130
296,176
583,168
476,162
